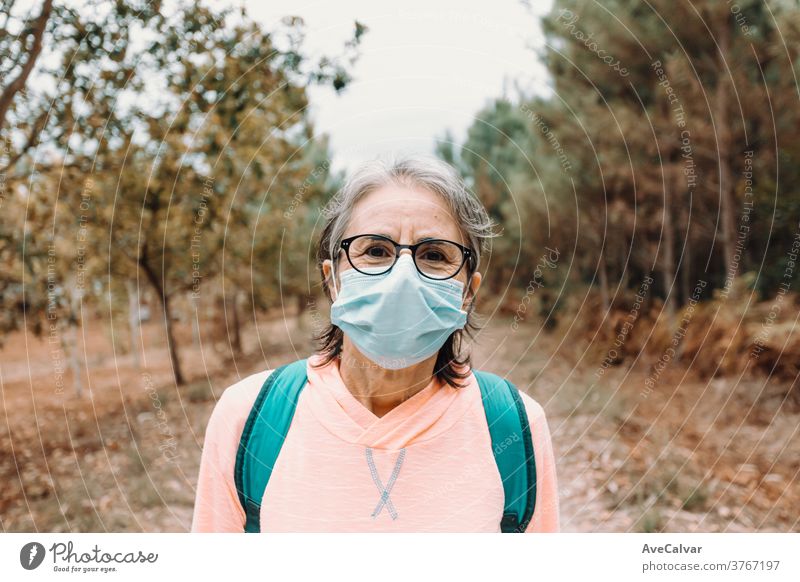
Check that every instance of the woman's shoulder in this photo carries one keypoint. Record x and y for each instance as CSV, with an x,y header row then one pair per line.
x,y
237,399
533,409
532,406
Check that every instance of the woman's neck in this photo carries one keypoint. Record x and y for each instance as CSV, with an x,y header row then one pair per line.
x,y
379,389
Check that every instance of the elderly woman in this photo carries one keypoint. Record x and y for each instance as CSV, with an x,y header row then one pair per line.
x,y
387,428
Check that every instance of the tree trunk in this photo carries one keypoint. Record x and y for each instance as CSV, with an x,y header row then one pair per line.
x,y
626,267
173,345
686,290
36,31
195,320
236,343
668,245
302,305
604,294
725,172
686,263
165,305
133,322
75,294
70,347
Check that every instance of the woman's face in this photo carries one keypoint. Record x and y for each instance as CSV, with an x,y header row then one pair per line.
x,y
405,214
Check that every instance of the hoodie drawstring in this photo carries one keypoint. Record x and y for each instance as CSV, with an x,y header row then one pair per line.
x,y
385,491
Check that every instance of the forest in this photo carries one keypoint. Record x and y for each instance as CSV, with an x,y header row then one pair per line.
x,y
162,185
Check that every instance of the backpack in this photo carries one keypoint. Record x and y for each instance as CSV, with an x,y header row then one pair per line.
x,y
268,423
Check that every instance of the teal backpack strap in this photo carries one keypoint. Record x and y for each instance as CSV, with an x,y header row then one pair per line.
x,y
263,436
512,446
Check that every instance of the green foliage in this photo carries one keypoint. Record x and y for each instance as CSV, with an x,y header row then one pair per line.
x,y
175,141
637,162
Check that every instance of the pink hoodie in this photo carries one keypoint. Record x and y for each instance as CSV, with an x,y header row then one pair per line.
x,y
431,454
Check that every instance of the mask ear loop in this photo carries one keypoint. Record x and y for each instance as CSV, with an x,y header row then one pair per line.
x,y
467,291
333,276
468,285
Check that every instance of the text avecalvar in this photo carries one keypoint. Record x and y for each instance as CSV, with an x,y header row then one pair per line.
x,y
671,549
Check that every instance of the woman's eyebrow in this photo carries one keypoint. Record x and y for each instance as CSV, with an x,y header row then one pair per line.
x,y
416,241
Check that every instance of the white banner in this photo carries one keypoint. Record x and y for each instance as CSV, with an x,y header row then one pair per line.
x,y
401,557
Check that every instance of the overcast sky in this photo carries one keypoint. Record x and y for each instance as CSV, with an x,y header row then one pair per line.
x,y
425,66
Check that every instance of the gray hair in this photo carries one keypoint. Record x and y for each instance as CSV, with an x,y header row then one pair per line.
x,y
418,170
423,172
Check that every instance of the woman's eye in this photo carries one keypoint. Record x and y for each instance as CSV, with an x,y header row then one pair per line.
x,y
433,256
376,252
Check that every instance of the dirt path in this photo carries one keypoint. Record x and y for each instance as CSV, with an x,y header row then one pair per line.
x,y
692,456
722,455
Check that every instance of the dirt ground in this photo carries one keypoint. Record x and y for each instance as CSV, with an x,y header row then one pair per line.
x,y
688,455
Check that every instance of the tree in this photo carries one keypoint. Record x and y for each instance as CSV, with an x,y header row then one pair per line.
x,y
24,50
655,92
175,133
496,158
226,123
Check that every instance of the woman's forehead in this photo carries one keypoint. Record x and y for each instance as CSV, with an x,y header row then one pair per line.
x,y
395,209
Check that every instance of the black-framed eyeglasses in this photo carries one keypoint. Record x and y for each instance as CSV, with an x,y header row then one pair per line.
x,y
375,254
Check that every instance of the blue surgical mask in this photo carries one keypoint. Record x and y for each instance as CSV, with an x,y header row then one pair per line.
x,y
399,318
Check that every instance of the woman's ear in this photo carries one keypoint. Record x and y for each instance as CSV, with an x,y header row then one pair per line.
x,y
472,290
